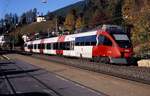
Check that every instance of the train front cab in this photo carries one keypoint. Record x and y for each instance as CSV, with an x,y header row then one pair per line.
x,y
112,48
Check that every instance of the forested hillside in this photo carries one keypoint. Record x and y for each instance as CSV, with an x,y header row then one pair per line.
x,y
137,13
91,13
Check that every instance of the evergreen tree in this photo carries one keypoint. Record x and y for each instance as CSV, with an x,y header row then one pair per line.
x,y
34,15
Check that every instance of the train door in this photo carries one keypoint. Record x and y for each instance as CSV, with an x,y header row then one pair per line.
x,y
41,46
84,45
104,46
59,50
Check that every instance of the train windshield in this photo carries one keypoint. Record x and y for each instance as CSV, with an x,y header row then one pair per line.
x,y
122,40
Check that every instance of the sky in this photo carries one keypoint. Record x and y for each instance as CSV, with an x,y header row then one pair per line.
x,y
20,6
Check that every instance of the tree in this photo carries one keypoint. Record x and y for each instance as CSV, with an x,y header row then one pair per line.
x,y
99,17
34,14
70,20
141,31
136,12
23,19
79,22
117,13
49,16
15,19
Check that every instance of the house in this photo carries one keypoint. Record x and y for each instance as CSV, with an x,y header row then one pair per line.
x,y
40,19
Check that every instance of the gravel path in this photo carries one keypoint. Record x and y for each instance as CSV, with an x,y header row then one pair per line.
x,y
140,74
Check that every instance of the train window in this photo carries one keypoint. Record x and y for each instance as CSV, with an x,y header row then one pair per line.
x,y
31,46
107,42
82,43
61,46
55,46
77,43
67,46
93,43
25,45
85,41
48,46
72,45
39,46
45,46
28,46
101,39
51,45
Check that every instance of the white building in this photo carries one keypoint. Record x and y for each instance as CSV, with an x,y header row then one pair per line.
x,y
40,19
2,40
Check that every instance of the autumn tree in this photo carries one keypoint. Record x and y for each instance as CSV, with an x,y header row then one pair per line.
x,y
141,31
79,22
99,17
70,20
137,12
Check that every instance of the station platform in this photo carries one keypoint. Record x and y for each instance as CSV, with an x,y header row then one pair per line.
x,y
18,78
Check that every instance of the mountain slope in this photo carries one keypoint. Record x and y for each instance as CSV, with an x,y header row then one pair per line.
x,y
63,11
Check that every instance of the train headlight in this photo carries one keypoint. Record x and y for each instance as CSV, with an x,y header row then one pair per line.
x,y
126,50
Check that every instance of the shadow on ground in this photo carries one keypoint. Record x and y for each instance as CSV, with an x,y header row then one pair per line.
x,y
28,94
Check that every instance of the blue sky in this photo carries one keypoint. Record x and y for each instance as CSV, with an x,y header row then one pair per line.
x,y
20,6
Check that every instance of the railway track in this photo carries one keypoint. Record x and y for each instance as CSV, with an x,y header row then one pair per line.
x,y
13,91
133,73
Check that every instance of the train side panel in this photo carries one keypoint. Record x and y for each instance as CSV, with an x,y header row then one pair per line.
x,y
78,50
35,46
50,41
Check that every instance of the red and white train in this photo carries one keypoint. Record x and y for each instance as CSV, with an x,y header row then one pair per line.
x,y
108,44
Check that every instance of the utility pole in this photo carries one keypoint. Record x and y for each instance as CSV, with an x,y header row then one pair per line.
x,y
56,24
